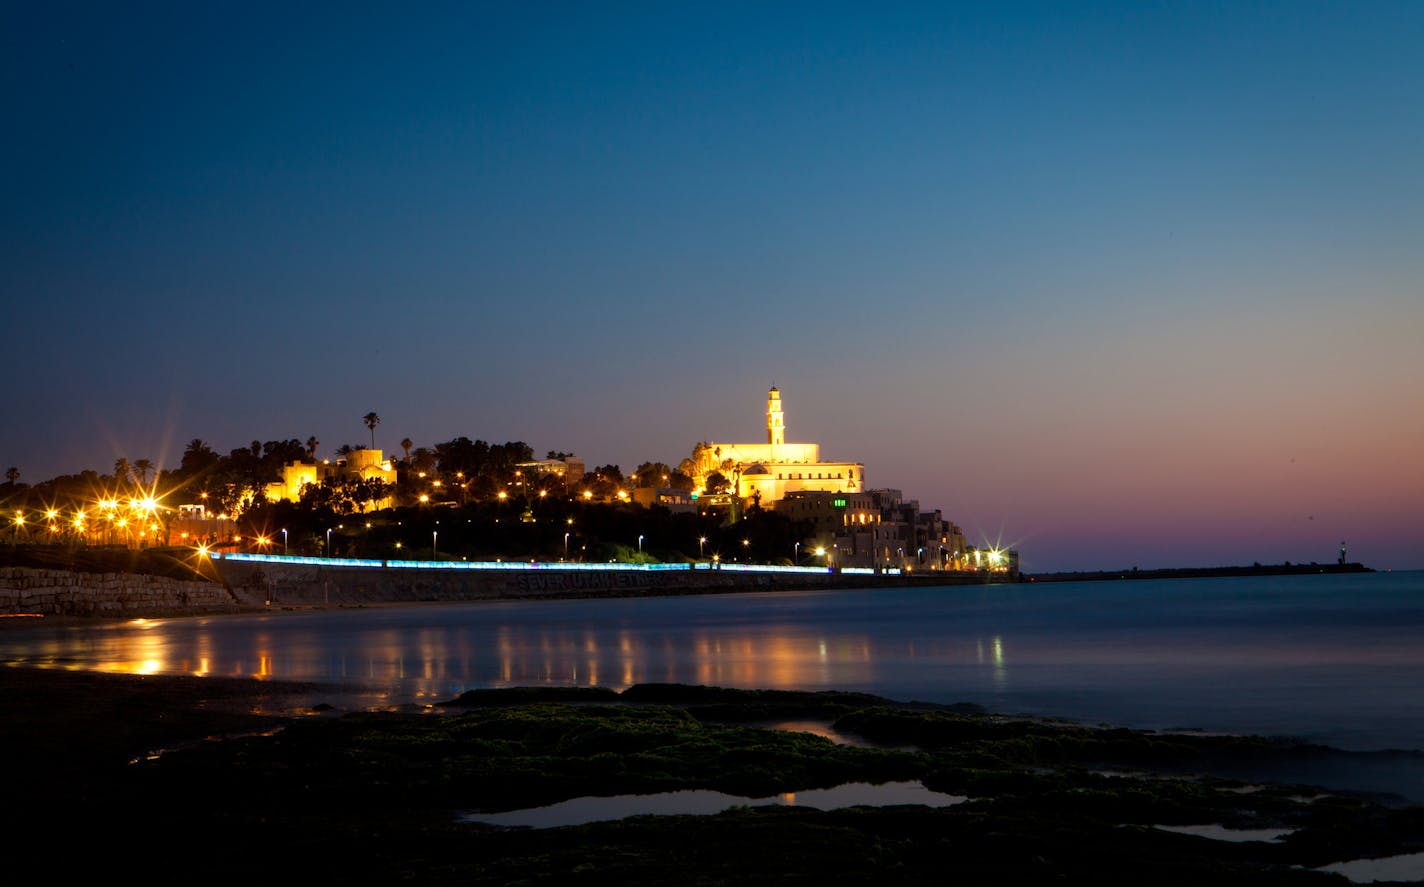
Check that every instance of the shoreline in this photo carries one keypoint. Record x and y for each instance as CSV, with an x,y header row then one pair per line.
x,y
64,595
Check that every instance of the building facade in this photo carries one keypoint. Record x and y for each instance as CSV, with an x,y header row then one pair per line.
x,y
360,464
769,472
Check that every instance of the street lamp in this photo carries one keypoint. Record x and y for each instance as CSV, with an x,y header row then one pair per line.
x,y
328,542
746,550
566,546
434,537
284,543
796,553
701,541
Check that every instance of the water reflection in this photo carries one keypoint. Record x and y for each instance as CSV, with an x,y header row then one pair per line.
x,y
418,660
702,802
1329,660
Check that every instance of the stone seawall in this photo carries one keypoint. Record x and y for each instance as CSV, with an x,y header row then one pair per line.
x,y
71,593
246,586
302,585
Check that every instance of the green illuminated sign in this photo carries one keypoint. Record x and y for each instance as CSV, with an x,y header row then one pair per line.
x,y
838,503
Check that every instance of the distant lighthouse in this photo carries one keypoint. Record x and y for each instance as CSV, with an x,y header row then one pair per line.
x,y
1342,552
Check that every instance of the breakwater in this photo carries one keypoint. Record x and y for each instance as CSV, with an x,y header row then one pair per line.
x,y
1287,569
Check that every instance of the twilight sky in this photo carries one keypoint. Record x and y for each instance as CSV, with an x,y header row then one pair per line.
x,y
1120,283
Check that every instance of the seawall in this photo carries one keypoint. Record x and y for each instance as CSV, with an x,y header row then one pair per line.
x,y
223,585
54,592
315,585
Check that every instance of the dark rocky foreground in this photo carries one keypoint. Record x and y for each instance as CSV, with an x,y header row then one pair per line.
x,y
284,791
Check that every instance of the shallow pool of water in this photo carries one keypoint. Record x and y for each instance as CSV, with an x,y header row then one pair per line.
x,y
704,802
1408,867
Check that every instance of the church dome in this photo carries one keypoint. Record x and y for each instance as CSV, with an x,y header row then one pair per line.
x,y
755,468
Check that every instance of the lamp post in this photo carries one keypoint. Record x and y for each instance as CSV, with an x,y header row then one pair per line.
x,y
434,538
701,541
284,543
640,543
746,550
328,542
566,546
796,553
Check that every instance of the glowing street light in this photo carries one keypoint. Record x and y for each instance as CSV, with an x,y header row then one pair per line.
x,y
434,537
701,541
566,546
796,553
328,542
284,543
640,544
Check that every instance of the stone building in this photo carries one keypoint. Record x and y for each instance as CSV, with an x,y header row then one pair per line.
x,y
360,464
769,472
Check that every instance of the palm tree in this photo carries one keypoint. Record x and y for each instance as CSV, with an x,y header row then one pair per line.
x,y
406,444
121,470
143,467
312,444
12,474
372,420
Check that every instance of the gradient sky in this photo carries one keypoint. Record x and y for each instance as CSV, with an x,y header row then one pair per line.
x,y
1120,283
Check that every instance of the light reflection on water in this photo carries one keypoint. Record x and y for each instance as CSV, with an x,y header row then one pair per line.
x,y
1332,658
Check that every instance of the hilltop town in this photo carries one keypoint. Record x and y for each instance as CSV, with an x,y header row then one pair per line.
x,y
772,502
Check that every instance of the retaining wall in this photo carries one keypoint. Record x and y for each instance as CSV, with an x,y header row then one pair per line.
x,y
71,593
257,584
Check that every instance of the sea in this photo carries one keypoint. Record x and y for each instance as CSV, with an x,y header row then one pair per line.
x,y
1334,659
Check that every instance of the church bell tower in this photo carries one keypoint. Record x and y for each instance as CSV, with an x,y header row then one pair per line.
x,y
775,418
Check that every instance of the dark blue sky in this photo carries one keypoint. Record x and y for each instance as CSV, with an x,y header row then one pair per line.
x,y
1123,282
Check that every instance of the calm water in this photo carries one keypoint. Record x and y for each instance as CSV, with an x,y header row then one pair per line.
x,y
1333,659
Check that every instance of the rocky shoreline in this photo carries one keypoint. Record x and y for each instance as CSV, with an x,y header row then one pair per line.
x,y
259,777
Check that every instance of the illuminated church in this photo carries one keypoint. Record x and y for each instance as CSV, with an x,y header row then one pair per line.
x,y
767,472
